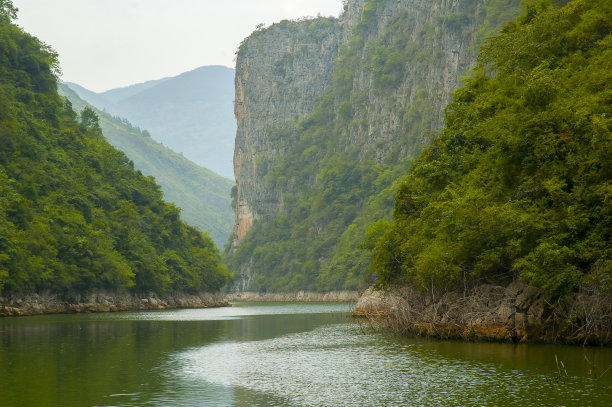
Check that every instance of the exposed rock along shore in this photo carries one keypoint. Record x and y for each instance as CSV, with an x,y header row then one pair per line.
x,y
514,313
300,296
102,301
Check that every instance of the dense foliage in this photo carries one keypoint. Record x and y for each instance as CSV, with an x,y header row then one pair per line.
x,y
520,181
74,214
202,195
336,176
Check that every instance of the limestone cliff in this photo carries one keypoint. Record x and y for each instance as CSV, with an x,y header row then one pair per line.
x,y
330,113
281,72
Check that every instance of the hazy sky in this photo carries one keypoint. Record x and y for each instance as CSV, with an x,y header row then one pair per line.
x,y
104,44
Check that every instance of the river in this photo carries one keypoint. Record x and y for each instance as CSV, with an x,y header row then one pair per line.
x,y
278,354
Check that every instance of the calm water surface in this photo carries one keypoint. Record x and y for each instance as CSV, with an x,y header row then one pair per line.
x,y
278,355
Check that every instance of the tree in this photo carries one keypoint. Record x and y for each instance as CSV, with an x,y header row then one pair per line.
x,y
8,12
89,119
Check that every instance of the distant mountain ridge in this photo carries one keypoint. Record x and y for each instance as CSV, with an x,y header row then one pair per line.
x,y
202,195
191,113
119,94
92,98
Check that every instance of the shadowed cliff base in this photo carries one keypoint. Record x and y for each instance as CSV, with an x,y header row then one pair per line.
x,y
105,301
514,313
300,296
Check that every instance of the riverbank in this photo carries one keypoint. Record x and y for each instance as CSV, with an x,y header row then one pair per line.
x,y
104,301
300,296
513,313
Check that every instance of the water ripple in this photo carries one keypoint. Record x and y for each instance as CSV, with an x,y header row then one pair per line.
x,y
338,365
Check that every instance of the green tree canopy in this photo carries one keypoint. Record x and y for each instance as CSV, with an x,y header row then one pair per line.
x,y
519,184
74,214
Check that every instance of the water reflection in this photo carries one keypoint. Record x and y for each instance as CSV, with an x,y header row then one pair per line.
x,y
339,365
275,354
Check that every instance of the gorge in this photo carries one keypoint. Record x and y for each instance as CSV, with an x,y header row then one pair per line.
x,y
331,113
413,170
510,188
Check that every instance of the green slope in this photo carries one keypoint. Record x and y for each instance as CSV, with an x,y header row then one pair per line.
x,y
74,214
519,184
202,195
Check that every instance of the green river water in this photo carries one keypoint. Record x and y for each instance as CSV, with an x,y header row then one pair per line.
x,y
276,354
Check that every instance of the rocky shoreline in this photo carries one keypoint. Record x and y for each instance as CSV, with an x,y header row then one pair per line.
x,y
104,301
513,313
300,296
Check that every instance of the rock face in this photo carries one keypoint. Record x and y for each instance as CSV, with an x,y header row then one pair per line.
x,y
403,82
516,312
280,73
105,301
388,67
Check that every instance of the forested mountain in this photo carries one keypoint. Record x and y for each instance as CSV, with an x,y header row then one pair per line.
x,y
191,113
74,213
331,113
202,195
519,183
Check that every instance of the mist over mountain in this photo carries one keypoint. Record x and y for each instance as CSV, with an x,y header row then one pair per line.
x,y
118,94
191,113
97,100
202,195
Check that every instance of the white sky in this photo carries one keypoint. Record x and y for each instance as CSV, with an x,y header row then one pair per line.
x,y
105,44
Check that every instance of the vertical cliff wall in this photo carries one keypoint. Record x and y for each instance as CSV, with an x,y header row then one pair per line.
x,y
330,115
281,72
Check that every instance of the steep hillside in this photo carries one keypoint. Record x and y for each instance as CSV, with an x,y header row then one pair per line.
x,y
519,184
202,195
316,183
191,113
74,214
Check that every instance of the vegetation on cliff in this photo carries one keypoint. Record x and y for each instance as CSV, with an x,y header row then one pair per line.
x,y
338,168
519,183
74,214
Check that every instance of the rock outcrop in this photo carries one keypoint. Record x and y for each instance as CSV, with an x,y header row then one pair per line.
x,y
515,313
105,301
280,73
